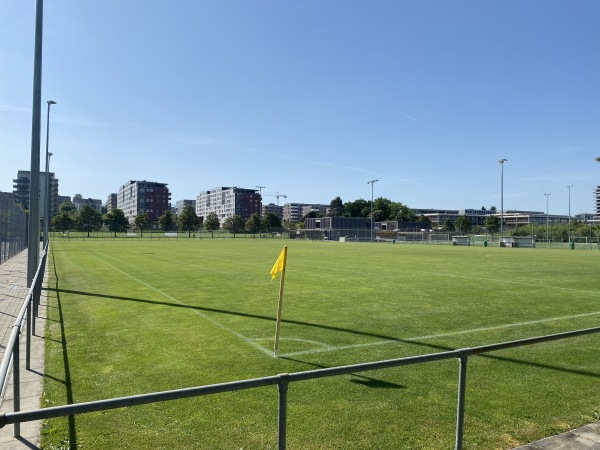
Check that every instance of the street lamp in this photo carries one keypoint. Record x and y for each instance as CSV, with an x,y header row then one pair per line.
x,y
48,155
569,187
547,220
502,161
372,182
260,188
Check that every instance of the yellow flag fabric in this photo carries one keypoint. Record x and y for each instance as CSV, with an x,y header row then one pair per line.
x,y
279,265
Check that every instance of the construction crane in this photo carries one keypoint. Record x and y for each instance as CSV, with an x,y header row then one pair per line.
x,y
276,194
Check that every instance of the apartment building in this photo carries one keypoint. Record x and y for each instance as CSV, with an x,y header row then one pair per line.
x,y
111,202
22,184
180,204
93,203
275,209
150,197
227,202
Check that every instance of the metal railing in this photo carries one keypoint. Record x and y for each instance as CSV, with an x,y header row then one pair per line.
x,y
282,381
13,228
12,352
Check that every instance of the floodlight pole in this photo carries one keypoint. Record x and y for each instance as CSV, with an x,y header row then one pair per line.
x,y
260,188
47,188
570,186
502,161
33,237
547,219
372,182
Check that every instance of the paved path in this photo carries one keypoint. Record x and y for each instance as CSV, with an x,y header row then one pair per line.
x,y
13,290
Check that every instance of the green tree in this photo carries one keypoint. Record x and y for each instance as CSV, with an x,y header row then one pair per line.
x,y
492,224
449,225
336,207
384,207
463,223
423,218
290,226
253,223
88,219
234,224
166,222
188,220
63,221
142,222
356,208
67,207
271,221
115,221
402,213
211,222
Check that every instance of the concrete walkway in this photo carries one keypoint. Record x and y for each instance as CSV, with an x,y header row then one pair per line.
x,y
13,290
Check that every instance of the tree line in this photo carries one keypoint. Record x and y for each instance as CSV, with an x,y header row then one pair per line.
x,y
90,220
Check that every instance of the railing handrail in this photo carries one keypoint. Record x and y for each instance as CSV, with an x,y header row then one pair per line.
x,y
282,380
17,327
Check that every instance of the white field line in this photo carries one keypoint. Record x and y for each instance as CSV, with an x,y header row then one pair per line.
x,y
199,313
522,283
328,348
433,336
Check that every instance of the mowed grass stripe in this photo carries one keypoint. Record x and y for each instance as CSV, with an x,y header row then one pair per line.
x,y
195,311
344,303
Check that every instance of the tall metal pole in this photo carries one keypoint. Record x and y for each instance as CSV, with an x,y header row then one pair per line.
x,y
47,194
547,219
260,188
570,186
372,182
34,185
502,161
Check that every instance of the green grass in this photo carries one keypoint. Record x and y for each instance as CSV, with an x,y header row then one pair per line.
x,y
131,317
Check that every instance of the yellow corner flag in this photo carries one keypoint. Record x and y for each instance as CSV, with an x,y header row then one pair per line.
x,y
279,265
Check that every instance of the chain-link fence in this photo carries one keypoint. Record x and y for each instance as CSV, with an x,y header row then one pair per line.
x,y
13,228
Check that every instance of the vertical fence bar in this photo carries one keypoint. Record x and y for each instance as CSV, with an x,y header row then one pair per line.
x,y
282,411
460,407
16,383
29,319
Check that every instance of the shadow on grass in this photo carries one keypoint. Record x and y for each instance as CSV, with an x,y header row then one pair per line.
x,y
67,380
362,379
435,347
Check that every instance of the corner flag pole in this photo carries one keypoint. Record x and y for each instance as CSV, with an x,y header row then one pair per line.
x,y
279,267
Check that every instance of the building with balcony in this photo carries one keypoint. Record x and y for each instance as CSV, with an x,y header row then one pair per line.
x,y
21,187
227,202
150,197
111,202
273,208
180,204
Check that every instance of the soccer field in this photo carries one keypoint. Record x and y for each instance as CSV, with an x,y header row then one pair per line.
x,y
131,317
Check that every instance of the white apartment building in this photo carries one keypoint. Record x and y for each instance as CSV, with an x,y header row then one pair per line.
x,y
227,202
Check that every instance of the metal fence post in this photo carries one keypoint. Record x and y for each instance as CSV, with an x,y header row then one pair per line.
x,y
16,382
29,319
282,413
460,407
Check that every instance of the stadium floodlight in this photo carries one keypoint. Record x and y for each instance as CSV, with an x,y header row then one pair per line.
x,y
502,161
547,219
47,188
569,187
372,182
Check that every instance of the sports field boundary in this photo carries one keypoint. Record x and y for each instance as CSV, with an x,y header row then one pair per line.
x,y
283,381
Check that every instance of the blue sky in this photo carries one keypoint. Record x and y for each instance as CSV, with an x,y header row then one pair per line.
x,y
312,99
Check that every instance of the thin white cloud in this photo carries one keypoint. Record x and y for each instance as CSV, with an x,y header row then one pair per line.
x,y
17,109
406,115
